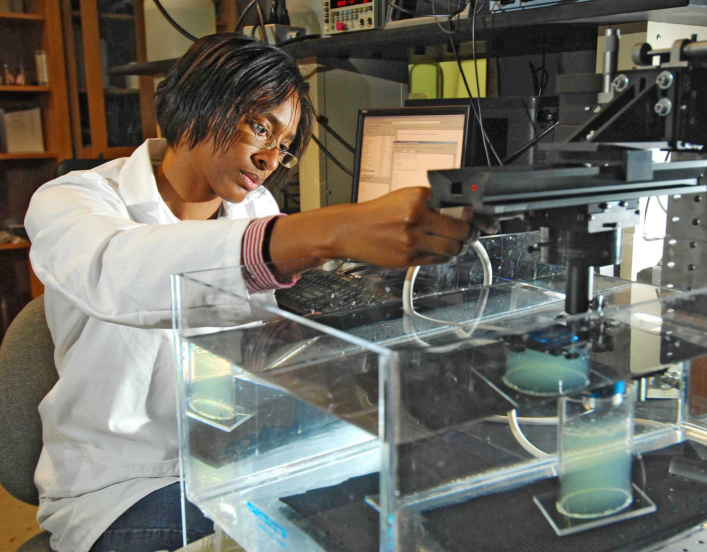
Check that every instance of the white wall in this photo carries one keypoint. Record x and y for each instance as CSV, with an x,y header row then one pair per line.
x,y
306,14
198,17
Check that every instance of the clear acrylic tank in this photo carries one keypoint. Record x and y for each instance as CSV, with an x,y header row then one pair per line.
x,y
357,426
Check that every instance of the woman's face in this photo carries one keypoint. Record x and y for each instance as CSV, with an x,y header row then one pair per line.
x,y
242,168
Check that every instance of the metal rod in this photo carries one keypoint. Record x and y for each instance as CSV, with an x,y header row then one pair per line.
x,y
695,50
692,50
611,56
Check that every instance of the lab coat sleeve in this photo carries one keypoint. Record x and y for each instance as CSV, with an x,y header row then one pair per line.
x,y
86,247
258,275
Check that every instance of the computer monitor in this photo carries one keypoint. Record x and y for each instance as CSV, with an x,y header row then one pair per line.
x,y
510,123
396,147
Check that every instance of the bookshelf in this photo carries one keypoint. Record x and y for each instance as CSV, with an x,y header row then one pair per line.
x,y
27,156
19,17
21,35
31,89
110,115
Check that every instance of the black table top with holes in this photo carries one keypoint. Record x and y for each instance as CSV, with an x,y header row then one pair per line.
x,y
339,519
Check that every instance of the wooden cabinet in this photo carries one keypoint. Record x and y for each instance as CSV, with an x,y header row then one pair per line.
x,y
110,114
21,36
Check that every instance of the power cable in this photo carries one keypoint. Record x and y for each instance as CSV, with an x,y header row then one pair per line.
x,y
172,22
324,121
471,99
484,137
331,156
488,145
242,16
262,22
539,84
520,151
476,72
452,30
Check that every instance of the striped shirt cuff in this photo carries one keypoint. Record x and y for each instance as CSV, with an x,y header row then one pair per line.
x,y
258,276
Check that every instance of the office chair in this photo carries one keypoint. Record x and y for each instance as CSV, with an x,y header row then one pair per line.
x,y
68,165
27,374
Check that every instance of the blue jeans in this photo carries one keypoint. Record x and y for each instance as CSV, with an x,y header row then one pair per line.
x,y
154,523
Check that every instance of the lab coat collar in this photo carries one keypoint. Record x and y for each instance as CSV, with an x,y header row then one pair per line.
x,y
138,185
137,178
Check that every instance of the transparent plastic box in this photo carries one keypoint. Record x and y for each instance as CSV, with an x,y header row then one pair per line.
x,y
355,426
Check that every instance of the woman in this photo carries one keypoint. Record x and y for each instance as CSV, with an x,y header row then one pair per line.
x,y
236,115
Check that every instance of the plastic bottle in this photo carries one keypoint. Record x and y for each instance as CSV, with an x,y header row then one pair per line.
x,y
40,58
20,78
9,77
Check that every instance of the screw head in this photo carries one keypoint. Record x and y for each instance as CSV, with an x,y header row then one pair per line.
x,y
620,83
663,107
665,80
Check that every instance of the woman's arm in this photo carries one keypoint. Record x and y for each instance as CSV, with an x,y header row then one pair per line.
x,y
396,230
86,247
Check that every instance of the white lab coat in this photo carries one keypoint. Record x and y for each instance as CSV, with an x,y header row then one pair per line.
x,y
104,244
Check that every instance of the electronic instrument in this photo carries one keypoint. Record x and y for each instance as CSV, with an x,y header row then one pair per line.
x,y
346,16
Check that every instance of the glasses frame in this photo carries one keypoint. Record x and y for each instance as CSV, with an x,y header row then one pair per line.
x,y
285,158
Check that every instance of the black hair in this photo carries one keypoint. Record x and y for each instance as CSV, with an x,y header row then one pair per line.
x,y
219,80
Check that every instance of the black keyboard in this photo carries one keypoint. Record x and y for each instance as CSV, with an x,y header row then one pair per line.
x,y
322,291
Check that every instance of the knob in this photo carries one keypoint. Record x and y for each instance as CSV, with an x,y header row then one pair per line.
x,y
341,26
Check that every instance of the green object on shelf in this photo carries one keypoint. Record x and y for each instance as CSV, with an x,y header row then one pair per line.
x,y
426,81
443,80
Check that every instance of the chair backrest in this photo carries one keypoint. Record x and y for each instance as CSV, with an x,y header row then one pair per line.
x,y
68,165
27,374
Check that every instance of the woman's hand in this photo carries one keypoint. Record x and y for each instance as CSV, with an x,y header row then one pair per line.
x,y
399,230
395,230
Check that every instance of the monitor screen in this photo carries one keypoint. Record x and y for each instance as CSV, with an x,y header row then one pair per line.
x,y
510,123
397,147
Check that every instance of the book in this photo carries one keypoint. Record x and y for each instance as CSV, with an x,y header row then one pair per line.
x,y
21,131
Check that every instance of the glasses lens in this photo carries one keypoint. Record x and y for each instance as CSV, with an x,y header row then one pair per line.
x,y
264,137
288,160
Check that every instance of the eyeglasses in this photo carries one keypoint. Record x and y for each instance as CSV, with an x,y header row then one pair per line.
x,y
266,139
